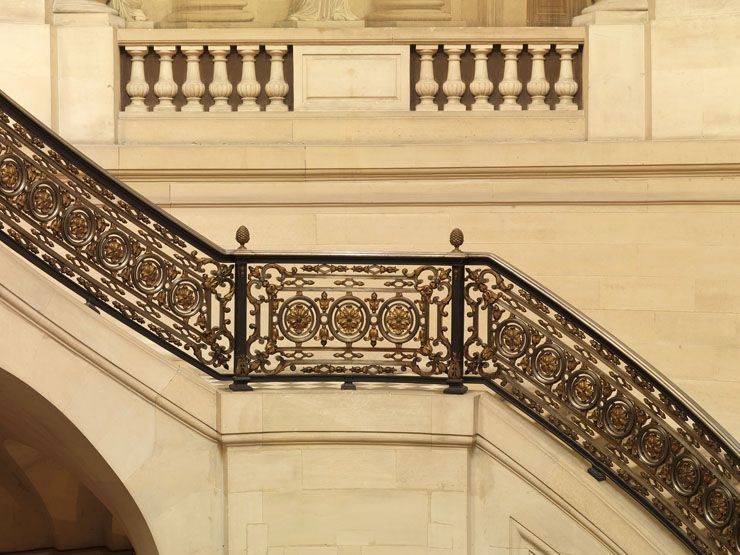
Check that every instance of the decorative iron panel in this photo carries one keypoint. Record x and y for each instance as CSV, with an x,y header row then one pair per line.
x,y
123,259
459,318
611,408
348,319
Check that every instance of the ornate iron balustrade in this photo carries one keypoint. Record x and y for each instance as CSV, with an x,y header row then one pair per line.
x,y
452,319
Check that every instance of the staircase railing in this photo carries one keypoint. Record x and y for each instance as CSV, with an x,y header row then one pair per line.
x,y
453,319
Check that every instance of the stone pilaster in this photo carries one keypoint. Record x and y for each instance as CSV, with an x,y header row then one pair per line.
x,y
615,74
87,61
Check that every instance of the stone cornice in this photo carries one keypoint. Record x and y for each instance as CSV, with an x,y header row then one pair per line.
x,y
377,35
435,173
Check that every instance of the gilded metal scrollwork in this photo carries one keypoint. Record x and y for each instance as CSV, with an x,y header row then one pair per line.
x,y
615,411
109,247
348,319
441,315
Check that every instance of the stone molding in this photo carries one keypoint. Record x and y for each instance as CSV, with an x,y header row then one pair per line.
x,y
352,36
199,175
497,454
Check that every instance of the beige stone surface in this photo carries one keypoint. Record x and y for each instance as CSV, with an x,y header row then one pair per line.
x,y
333,78
353,128
616,82
352,412
348,468
23,11
690,71
665,9
26,74
86,80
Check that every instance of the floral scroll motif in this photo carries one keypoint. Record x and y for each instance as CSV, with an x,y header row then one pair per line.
x,y
110,248
614,410
348,319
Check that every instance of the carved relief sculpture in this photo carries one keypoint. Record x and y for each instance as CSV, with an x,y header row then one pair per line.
x,y
320,10
130,10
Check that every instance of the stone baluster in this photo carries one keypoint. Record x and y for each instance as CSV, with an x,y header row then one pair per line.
x,y
510,87
566,86
453,87
538,86
481,87
165,88
276,88
193,87
137,87
248,88
220,88
426,87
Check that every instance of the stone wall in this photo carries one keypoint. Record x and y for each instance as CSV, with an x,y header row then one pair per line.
x,y
692,75
630,213
641,238
189,467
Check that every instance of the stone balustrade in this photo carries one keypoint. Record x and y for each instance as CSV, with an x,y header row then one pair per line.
x,y
504,77
152,85
424,70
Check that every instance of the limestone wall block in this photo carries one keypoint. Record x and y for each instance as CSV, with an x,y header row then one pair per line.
x,y
369,412
264,469
389,517
349,468
433,469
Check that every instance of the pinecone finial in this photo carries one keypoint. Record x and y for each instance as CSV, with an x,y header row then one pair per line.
x,y
457,238
242,237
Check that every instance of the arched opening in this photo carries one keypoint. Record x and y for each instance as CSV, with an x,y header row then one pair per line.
x,y
57,490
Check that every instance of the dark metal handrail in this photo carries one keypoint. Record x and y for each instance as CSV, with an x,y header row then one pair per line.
x,y
453,319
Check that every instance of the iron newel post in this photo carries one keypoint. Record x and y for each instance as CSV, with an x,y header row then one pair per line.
x,y
241,376
455,384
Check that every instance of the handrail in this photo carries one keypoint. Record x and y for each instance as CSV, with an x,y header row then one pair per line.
x,y
382,35
453,319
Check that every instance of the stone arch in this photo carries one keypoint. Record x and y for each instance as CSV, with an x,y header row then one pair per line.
x,y
27,414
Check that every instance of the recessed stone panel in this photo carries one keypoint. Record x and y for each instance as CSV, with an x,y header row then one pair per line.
x,y
351,77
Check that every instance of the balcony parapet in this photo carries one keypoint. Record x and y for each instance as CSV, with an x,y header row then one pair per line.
x,y
401,69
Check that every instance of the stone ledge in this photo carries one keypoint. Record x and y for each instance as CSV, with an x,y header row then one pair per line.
x,y
375,35
428,161
350,128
